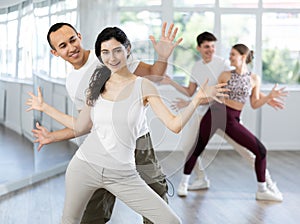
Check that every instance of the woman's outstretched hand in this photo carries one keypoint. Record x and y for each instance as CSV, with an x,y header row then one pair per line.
x,y
215,92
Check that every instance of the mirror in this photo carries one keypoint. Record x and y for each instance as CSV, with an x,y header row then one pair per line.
x,y
21,163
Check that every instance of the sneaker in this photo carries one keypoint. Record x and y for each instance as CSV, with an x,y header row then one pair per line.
x,y
269,195
182,190
199,184
273,187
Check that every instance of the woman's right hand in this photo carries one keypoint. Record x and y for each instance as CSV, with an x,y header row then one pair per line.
x,y
214,92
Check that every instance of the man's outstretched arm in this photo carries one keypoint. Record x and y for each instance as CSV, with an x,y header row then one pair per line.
x,y
164,48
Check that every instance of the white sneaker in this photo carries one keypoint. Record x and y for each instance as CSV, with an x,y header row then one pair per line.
x,y
269,195
273,187
182,190
199,184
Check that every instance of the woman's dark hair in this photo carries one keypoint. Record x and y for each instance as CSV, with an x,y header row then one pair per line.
x,y
244,50
109,33
97,84
102,74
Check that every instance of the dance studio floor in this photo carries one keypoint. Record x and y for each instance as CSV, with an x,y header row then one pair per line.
x,y
230,199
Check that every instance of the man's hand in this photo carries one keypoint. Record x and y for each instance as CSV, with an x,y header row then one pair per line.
x,y
42,135
165,46
35,102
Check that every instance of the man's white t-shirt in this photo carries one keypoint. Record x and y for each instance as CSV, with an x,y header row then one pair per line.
x,y
77,82
202,71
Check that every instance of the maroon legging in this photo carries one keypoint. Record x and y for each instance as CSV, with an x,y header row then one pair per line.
x,y
228,120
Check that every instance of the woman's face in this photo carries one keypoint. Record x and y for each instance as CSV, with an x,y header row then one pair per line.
x,y
236,59
113,54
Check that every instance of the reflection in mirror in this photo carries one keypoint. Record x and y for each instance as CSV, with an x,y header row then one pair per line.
x,y
20,161
25,65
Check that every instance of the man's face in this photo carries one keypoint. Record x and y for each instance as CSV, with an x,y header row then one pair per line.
x,y
207,50
67,45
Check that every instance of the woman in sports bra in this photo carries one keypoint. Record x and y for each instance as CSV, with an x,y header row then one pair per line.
x,y
242,85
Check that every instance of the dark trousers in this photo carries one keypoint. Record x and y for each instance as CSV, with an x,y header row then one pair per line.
x,y
222,117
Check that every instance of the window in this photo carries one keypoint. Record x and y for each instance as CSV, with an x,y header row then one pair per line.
x,y
3,49
242,31
190,24
136,3
268,27
239,3
281,47
194,3
289,4
147,23
24,49
11,48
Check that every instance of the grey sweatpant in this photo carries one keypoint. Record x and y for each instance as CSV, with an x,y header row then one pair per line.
x,y
83,178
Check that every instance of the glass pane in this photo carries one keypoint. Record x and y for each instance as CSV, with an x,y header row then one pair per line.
x,y
41,10
194,3
12,28
281,47
26,8
147,23
291,4
239,3
190,25
236,28
57,7
25,47
41,50
139,2
3,41
3,17
13,14
71,4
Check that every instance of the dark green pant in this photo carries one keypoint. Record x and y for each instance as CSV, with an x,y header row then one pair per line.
x,y
100,206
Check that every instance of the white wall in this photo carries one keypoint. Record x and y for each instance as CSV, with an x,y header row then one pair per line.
x,y
12,106
281,129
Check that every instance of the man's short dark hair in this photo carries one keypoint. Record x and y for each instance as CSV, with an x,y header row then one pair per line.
x,y
56,27
205,36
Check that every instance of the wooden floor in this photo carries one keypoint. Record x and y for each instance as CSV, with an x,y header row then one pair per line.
x,y
230,199
21,165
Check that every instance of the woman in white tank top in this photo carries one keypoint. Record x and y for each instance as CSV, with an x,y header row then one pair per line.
x,y
113,115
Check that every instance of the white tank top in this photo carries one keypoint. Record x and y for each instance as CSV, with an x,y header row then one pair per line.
x,y
116,126
78,81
